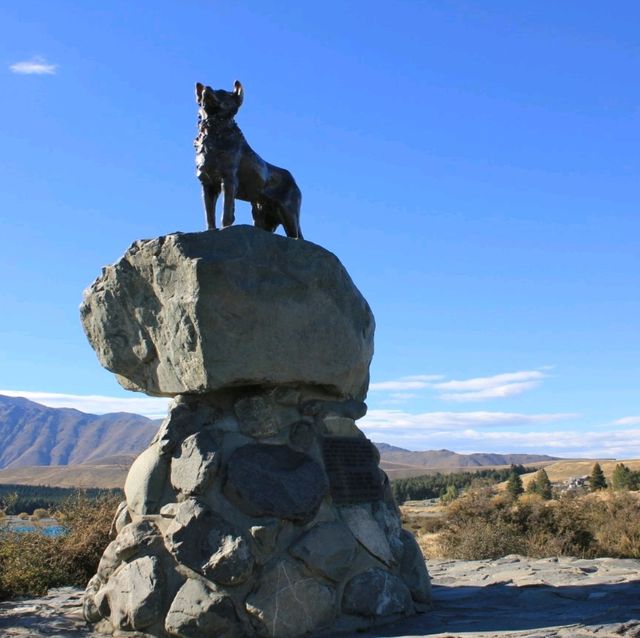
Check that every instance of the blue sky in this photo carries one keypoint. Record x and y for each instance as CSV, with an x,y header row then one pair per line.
x,y
473,164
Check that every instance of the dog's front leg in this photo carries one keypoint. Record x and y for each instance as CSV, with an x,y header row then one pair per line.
x,y
229,214
210,193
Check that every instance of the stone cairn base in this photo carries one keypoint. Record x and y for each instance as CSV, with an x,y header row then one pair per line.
x,y
259,508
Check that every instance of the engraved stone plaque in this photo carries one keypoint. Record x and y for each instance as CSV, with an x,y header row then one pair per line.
x,y
352,467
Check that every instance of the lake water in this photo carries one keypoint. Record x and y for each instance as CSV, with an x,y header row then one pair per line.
x,y
47,526
47,530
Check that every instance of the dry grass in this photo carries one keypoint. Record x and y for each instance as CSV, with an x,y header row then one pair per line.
x,y
31,563
565,470
482,525
79,476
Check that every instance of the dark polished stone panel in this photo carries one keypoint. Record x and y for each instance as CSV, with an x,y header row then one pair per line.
x,y
352,467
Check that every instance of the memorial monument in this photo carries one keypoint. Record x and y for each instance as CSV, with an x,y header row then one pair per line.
x,y
259,508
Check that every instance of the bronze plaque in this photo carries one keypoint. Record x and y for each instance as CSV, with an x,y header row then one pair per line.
x,y
352,467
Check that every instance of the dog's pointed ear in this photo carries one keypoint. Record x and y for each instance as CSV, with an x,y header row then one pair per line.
x,y
199,89
238,91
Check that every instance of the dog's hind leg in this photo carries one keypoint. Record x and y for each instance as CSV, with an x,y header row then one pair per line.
x,y
264,216
210,193
290,214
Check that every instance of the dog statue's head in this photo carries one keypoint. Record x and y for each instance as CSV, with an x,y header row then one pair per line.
x,y
219,103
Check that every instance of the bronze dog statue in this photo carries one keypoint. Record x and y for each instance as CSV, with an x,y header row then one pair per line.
x,y
225,162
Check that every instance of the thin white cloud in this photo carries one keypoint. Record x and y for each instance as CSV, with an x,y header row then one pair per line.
x,y
498,386
413,382
154,408
496,432
381,420
496,392
36,66
627,420
482,383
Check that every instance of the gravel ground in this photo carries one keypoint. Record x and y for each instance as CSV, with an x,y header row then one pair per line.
x,y
513,597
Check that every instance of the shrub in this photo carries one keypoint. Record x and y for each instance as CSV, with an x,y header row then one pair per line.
x,y
450,495
23,516
39,513
603,525
31,563
26,564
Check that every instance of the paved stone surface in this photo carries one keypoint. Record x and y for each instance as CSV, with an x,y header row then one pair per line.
x,y
513,597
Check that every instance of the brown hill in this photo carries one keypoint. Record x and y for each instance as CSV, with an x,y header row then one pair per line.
x,y
87,475
34,435
65,447
397,458
569,468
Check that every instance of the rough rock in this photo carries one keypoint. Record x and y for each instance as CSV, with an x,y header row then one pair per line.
x,y
186,416
89,607
351,408
265,536
132,539
195,463
413,571
120,519
375,592
256,416
302,436
195,312
133,594
275,480
289,603
328,549
199,611
145,482
340,426
205,542
367,531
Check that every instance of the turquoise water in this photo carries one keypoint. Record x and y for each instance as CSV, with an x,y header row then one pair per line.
x,y
47,527
47,530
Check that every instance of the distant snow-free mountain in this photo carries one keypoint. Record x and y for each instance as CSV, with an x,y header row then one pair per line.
x,y
397,461
62,446
33,434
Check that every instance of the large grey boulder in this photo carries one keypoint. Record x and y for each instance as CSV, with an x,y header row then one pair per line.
x,y
195,463
413,570
367,531
376,592
195,312
202,540
198,611
328,549
133,595
289,603
144,486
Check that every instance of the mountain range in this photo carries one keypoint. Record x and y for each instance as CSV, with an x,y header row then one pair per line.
x,y
63,446
33,434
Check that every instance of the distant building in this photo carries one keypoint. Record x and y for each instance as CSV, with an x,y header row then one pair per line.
x,y
574,484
